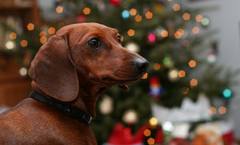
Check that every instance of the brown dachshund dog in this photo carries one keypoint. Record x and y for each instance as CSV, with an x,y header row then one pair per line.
x,y
74,67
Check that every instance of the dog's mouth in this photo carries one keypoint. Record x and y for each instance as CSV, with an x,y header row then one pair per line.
x,y
124,83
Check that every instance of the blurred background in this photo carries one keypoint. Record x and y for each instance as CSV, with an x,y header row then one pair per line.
x,y
190,95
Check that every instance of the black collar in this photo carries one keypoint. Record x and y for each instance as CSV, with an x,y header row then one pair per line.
x,y
64,107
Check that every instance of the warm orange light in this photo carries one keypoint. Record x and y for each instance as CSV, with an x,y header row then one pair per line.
x,y
86,11
151,141
222,110
186,16
43,39
212,110
179,33
30,26
192,63
164,33
199,18
42,33
147,132
176,7
131,32
23,43
59,9
193,82
181,74
149,15
133,11
195,30
153,121
51,30
13,35
145,76
156,66
138,18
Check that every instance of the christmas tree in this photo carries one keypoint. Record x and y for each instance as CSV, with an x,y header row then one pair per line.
x,y
169,34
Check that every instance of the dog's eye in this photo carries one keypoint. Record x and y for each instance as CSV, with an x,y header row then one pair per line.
x,y
94,43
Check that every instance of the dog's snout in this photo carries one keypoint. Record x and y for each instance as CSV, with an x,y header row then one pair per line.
x,y
141,64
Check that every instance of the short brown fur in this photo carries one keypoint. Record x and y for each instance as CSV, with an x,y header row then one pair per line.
x,y
67,69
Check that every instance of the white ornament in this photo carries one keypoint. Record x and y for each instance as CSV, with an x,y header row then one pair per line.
x,y
130,117
106,105
133,47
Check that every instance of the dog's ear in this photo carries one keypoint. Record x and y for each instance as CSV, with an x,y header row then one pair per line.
x,y
53,72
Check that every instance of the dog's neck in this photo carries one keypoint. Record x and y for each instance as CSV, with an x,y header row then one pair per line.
x,y
88,95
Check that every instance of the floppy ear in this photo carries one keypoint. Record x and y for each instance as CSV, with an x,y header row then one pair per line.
x,y
53,72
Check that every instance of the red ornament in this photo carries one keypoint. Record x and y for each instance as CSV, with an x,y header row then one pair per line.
x,y
228,138
115,3
120,135
123,135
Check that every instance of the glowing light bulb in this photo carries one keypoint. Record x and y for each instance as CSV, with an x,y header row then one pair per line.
x,y
168,126
199,18
23,71
138,18
147,132
59,9
186,16
173,75
149,15
176,7
23,43
192,63
151,37
222,110
133,11
195,30
10,45
30,26
193,82
153,121
13,35
227,93
51,30
151,141
131,32
86,11
181,74
125,14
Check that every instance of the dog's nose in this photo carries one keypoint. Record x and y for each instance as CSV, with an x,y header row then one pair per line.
x,y
141,64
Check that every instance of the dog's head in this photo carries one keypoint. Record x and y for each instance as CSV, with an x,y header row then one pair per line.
x,y
88,50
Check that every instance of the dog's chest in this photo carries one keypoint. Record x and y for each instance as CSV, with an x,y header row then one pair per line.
x,y
36,126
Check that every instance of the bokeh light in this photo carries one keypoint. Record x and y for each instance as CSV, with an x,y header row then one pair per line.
x,y
86,11
59,9
125,14
227,93
23,43
30,26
